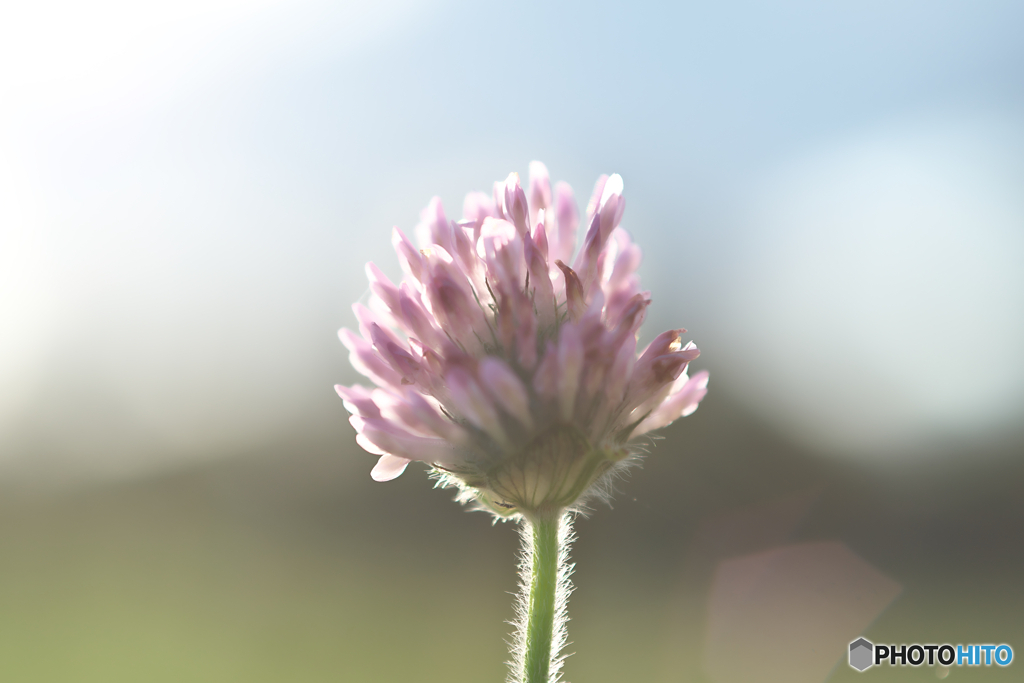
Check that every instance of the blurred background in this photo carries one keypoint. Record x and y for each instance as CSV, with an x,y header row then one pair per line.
x,y
829,196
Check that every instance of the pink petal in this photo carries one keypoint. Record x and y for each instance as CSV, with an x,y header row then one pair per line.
x,y
594,204
628,315
473,404
382,286
540,281
501,248
358,400
540,189
388,437
516,209
451,299
464,248
612,204
574,299
367,362
679,404
414,318
567,222
588,260
367,319
545,380
365,444
621,371
526,332
540,237
506,389
388,467
570,365
624,261
412,410
433,226
478,206
661,363
409,256
397,356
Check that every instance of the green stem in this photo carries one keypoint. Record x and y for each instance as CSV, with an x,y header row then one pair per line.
x,y
545,615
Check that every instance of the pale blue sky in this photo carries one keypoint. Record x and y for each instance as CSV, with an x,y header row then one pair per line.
x,y
827,196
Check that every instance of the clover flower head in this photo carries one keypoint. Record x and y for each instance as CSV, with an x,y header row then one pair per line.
x,y
511,372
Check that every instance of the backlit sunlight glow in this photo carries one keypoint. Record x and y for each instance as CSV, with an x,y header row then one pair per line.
x,y
74,48
73,77
888,267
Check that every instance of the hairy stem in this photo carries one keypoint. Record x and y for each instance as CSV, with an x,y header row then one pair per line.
x,y
544,589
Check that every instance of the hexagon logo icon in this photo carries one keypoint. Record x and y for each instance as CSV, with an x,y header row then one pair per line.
x,y
861,654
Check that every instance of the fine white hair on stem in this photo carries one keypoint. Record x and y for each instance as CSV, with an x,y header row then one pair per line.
x,y
603,490
517,646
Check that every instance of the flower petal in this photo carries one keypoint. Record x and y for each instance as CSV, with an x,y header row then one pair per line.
x,y
515,207
680,404
433,226
473,404
358,400
540,280
388,467
388,437
367,362
506,389
570,366
567,221
408,256
574,300
477,206
540,189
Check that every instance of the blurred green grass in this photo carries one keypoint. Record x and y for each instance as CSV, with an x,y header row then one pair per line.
x,y
156,583
291,565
